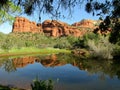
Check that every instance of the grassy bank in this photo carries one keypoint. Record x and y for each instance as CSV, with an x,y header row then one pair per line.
x,y
31,50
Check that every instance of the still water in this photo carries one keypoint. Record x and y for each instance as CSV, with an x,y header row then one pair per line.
x,y
67,72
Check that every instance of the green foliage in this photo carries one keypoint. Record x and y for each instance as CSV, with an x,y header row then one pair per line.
x,y
4,88
51,7
56,8
116,51
111,10
42,85
62,43
2,35
115,34
18,40
72,39
65,42
99,46
107,7
37,85
8,10
102,48
82,42
9,66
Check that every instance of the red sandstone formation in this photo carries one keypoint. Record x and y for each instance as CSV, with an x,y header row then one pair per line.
x,y
57,29
24,25
86,24
53,28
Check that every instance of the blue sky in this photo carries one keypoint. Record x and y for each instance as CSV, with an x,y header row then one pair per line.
x,y
77,15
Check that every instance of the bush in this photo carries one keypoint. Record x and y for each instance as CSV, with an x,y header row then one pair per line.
x,y
116,51
42,85
115,34
72,39
102,48
82,42
62,43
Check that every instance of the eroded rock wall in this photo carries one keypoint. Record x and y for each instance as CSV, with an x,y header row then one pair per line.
x,y
53,27
22,24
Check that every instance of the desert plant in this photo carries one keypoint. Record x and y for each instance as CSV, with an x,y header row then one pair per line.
x,y
102,48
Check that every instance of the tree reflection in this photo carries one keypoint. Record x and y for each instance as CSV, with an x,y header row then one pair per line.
x,y
9,66
116,68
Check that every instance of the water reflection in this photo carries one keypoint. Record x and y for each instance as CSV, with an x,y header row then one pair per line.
x,y
109,67
100,68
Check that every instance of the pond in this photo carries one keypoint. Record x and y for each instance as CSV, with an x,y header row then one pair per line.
x,y
67,72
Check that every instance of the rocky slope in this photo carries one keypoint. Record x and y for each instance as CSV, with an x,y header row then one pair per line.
x,y
53,27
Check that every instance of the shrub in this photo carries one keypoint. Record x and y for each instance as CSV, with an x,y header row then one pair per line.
x,y
62,45
115,34
102,48
72,39
116,51
42,85
82,42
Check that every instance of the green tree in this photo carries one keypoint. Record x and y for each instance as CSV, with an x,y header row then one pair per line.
x,y
8,10
110,11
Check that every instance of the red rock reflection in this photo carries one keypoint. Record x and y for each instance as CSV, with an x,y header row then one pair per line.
x,y
22,62
48,61
52,61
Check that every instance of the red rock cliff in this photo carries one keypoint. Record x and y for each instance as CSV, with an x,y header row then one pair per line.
x,y
57,29
52,27
85,23
22,24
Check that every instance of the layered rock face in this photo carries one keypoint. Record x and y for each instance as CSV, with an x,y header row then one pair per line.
x,y
24,25
52,27
57,29
86,23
